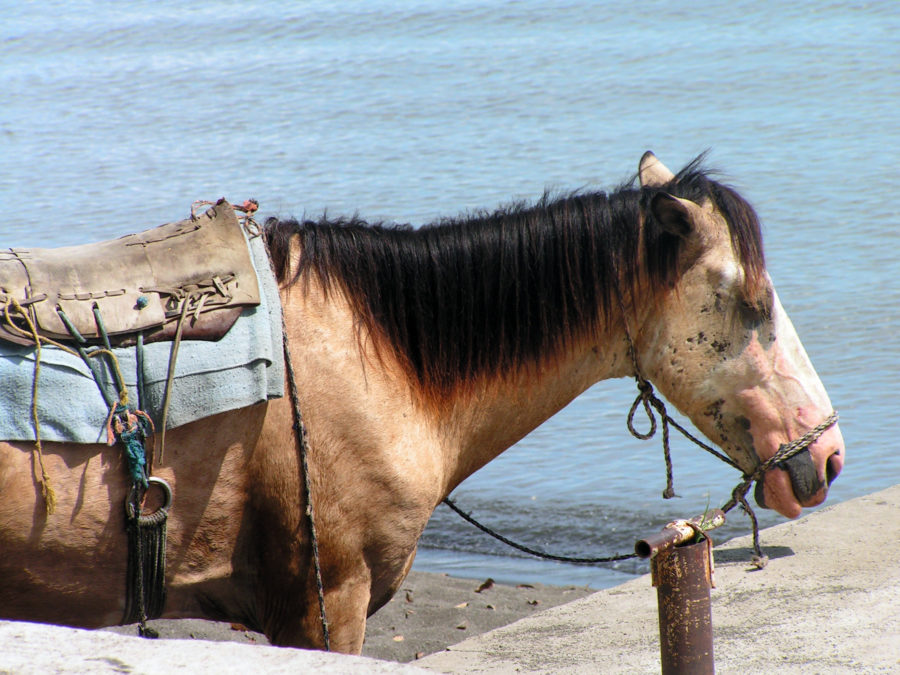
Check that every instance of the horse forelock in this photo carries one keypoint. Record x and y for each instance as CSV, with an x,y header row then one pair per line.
x,y
496,293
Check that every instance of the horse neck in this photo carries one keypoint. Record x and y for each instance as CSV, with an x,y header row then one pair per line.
x,y
482,425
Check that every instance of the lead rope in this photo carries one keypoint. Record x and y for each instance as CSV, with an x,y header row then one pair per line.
x,y
533,551
650,401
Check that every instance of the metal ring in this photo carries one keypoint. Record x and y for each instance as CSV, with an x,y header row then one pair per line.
x,y
165,488
133,509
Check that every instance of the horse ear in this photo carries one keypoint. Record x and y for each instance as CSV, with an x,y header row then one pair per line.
x,y
674,215
652,172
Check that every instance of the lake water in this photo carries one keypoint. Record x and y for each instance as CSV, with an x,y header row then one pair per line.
x,y
116,116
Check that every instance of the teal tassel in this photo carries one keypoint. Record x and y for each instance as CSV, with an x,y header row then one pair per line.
x,y
131,428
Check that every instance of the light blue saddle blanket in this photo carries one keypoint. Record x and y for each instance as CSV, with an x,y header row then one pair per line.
x,y
244,367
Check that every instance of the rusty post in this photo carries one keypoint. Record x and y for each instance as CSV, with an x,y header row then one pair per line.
x,y
681,568
681,575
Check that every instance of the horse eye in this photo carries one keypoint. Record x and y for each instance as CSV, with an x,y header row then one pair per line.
x,y
754,313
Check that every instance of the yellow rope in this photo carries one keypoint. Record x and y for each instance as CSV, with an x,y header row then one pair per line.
x,y
46,489
123,395
33,336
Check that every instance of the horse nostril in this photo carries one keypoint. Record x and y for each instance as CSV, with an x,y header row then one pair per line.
x,y
833,467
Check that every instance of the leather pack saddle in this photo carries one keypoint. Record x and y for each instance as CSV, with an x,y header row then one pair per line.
x,y
196,271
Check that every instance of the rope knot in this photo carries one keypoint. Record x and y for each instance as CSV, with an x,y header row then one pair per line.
x,y
642,398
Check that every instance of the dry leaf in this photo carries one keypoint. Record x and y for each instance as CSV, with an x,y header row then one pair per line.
x,y
489,607
461,605
534,602
487,585
524,586
419,655
409,596
462,626
398,638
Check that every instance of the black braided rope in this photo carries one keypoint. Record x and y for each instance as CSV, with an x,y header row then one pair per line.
x,y
532,551
145,595
738,495
650,402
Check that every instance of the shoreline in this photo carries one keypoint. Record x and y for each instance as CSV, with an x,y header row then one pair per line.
x,y
427,615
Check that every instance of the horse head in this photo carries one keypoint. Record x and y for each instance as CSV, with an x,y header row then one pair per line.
x,y
720,346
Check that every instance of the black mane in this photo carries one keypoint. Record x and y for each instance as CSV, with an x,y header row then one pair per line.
x,y
489,293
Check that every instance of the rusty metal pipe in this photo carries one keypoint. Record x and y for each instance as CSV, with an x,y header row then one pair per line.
x,y
682,576
681,566
678,532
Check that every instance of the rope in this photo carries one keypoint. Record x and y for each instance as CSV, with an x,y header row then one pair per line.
x,y
302,436
47,491
146,535
303,443
647,397
532,551
129,426
650,402
146,576
786,451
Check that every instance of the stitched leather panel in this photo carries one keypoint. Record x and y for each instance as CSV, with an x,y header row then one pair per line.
x,y
204,262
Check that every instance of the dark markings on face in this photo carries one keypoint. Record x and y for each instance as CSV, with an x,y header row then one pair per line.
x,y
721,346
714,410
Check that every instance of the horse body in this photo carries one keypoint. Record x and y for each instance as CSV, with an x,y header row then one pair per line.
x,y
402,404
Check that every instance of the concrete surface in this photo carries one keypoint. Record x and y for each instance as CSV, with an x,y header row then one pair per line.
x,y
828,602
38,649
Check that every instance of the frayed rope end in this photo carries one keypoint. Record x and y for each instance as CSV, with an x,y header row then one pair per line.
x,y
49,495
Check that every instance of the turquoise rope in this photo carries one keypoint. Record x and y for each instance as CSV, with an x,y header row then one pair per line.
x,y
132,437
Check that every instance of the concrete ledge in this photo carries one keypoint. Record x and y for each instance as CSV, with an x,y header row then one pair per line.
x,y
828,602
32,648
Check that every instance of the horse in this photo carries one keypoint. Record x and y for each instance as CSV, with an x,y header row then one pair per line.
x,y
419,355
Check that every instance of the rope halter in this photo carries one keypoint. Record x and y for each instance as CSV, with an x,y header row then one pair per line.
x,y
650,402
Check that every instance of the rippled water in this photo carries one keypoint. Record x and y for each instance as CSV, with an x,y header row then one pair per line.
x,y
117,116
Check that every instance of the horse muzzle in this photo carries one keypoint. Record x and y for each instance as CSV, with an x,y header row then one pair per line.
x,y
809,485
